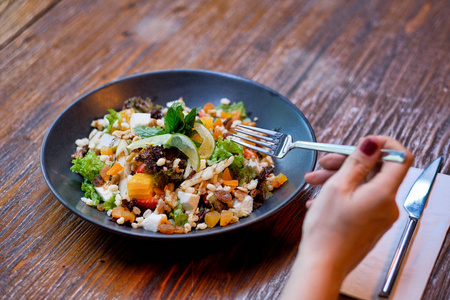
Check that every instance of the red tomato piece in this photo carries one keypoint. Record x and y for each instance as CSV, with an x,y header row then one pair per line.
x,y
140,169
148,203
249,153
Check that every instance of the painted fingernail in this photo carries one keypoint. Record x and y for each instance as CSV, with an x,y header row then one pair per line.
x,y
368,147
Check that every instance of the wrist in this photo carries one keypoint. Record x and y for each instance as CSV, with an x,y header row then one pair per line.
x,y
314,275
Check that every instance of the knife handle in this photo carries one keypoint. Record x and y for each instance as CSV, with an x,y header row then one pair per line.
x,y
398,257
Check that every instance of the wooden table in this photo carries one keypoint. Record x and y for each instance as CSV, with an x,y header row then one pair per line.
x,y
353,68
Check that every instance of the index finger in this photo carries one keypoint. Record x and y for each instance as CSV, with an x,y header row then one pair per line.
x,y
392,174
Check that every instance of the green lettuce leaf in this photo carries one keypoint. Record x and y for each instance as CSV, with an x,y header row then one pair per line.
x,y
112,118
179,216
229,108
90,192
225,149
89,166
110,203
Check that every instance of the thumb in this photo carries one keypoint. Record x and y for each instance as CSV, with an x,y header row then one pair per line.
x,y
359,164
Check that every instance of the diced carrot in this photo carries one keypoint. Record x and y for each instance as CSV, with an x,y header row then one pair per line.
x,y
236,115
249,153
225,115
217,122
196,137
115,169
208,122
106,151
248,123
234,183
159,191
208,106
217,133
126,116
170,186
225,217
279,180
227,175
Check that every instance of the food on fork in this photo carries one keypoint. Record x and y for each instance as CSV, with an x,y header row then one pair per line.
x,y
173,169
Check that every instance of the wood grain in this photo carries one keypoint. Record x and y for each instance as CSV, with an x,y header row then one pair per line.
x,y
353,68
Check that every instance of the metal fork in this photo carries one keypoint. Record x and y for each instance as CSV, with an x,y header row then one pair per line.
x,y
278,144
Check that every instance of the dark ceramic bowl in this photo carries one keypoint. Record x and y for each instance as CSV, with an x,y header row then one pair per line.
x,y
197,87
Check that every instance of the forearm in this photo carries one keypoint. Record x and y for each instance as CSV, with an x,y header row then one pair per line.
x,y
313,277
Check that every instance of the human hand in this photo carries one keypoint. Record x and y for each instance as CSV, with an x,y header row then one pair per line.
x,y
349,215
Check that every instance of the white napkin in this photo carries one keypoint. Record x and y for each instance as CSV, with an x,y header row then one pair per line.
x,y
366,280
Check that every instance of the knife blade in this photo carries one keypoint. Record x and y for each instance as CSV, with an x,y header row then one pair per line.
x,y
414,204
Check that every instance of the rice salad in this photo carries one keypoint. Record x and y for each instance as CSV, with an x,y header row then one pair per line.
x,y
173,169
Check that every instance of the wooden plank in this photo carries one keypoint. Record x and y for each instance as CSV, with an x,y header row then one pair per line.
x,y
17,16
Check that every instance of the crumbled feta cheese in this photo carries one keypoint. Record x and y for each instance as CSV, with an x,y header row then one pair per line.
x,y
189,201
103,192
120,221
153,221
87,201
139,119
244,208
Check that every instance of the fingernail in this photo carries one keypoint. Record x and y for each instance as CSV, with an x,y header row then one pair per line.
x,y
368,147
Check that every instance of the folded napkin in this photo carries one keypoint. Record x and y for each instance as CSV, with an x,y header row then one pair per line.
x,y
366,280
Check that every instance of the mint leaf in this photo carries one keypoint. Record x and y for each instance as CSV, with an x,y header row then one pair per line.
x,y
147,131
176,122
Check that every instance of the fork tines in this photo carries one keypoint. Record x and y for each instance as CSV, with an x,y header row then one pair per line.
x,y
265,138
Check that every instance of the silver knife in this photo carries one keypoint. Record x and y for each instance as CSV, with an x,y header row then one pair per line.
x,y
414,205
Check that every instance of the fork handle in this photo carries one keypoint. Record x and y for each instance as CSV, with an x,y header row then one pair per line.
x,y
388,155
